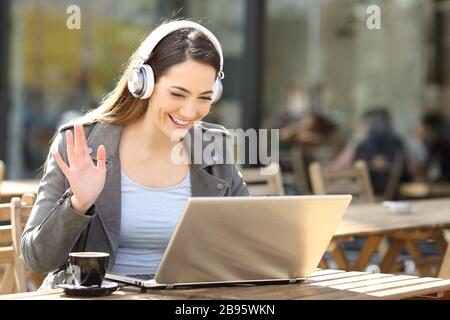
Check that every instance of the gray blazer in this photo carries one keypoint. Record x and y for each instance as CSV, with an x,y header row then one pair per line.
x,y
54,229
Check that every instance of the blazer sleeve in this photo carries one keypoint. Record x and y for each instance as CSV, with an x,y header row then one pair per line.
x,y
53,227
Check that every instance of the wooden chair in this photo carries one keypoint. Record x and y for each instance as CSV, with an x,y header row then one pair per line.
x,y
15,277
393,183
265,181
354,181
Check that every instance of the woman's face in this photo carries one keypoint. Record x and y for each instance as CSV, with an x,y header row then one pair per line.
x,y
182,96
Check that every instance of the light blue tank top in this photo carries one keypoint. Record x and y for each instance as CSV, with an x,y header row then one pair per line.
x,y
149,217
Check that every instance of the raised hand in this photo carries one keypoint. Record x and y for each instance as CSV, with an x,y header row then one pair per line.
x,y
85,178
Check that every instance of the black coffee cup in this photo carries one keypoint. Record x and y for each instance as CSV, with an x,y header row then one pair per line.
x,y
88,268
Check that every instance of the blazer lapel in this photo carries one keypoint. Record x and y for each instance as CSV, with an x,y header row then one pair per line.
x,y
203,183
109,201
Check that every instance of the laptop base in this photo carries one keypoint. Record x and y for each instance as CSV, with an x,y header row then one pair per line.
x,y
152,284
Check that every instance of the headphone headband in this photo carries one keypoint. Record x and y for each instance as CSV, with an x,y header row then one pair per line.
x,y
163,30
141,80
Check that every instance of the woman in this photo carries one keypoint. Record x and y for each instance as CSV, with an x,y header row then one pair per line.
x,y
120,190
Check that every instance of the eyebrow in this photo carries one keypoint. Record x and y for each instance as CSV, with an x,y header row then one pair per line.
x,y
187,91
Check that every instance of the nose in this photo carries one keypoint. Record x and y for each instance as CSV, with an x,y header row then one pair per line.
x,y
188,111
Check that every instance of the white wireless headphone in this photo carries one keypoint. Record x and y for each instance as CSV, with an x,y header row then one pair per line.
x,y
142,80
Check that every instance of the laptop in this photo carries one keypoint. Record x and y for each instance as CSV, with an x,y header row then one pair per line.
x,y
235,240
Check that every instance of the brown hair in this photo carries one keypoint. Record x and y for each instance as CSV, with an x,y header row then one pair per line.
x,y
119,106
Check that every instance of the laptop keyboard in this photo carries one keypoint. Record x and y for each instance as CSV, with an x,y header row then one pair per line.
x,y
144,277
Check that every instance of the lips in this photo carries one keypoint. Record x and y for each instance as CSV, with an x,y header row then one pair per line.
x,y
179,123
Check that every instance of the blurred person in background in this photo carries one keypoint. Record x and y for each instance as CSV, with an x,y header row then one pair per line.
x,y
381,149
375,142
432,133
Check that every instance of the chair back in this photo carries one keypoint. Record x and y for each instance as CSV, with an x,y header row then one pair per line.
x,y
354,181
393,182
6,250
14,216
265,181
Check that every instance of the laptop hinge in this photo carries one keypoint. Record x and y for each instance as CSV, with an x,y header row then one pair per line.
x,y
293,281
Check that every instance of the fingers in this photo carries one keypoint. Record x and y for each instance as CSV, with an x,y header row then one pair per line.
x,y
77,148
61,164
80,140
70,147
101,157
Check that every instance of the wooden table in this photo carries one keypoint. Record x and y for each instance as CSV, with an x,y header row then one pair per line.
x,y
427,217
323,284
16,188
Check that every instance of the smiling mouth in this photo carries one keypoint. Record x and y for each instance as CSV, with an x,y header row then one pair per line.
x,y
178,122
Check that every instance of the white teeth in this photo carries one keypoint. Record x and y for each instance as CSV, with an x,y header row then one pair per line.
x,y
180,122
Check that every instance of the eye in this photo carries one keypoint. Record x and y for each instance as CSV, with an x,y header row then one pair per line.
x,y
206,98
177,95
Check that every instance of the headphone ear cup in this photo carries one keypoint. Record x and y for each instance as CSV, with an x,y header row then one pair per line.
x,y
141,82
217,91
149,81
136,82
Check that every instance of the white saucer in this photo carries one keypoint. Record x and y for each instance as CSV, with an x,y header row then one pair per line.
x,y
105,289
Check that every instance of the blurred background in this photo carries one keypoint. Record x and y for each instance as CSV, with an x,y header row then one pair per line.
x,y
338,90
